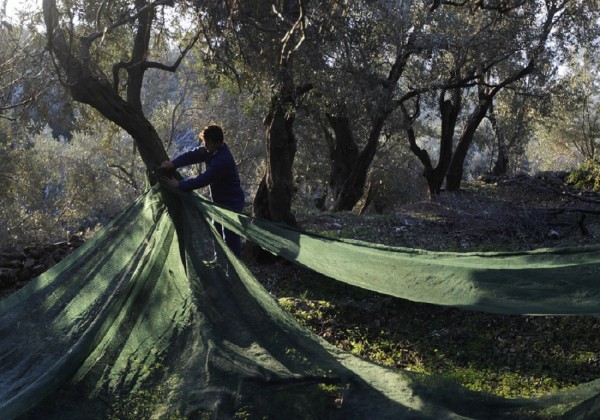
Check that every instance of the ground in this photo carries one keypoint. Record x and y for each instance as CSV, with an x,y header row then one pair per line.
x,y
506,355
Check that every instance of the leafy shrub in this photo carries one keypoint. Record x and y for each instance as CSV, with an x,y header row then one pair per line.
x,y
56,188
587,176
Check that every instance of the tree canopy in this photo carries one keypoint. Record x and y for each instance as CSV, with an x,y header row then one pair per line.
x,y
343,88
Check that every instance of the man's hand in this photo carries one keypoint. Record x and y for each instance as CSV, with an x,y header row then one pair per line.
x,y
167,164
171,182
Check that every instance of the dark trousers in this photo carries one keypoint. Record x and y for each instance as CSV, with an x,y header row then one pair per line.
x,y
232,240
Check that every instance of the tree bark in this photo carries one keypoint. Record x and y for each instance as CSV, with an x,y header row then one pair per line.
x,y
93,92
449,111
456,169
500,166
88,85
273,200
343,152
421,154
353,188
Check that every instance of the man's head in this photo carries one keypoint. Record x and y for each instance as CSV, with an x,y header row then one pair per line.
x,y
212,136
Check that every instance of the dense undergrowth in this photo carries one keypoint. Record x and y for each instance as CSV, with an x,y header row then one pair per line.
x,y
510,356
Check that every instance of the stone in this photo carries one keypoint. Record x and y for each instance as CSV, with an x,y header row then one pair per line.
x,y
15,264
29,263
552,234
75,240
35,252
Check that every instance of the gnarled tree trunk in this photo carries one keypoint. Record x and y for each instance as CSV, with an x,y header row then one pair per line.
x,y
343,152
449,111
500,166
273,199
456,168
88,85
353,188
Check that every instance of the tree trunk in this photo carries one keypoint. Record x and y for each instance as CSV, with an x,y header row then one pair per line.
x,y
486,96
449,111
354,185
421,154
500,166
87,85
102,97
343,152
456,168
273,200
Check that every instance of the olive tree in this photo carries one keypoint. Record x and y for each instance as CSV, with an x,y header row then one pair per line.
x,y
517,45
265,46
102,51
370,49
574,114
449,59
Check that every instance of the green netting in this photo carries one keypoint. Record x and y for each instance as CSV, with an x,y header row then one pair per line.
x,y
540,282
154,317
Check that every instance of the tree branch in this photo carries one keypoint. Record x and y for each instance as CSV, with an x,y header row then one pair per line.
x,y
173,67
300,24
123,21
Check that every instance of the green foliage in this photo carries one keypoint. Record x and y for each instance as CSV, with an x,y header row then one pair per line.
x,y
309,311
55,188
144,404
587,176
503,383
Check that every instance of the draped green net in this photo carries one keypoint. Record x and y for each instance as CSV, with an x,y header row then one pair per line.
x,y
155,318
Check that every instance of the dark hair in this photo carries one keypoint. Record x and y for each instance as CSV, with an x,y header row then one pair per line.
x,y
213,134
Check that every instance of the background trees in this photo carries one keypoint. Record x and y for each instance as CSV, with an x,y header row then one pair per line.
x,y
378,42
502,45
265,40
343,98
103,53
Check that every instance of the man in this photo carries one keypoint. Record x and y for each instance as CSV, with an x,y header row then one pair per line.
x,y
221,176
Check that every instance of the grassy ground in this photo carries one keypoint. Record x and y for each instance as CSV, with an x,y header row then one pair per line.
x,y
506,355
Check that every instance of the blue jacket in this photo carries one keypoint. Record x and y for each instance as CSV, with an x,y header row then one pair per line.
x,y
221,175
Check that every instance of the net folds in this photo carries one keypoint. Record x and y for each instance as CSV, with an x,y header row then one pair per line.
x,y
155,318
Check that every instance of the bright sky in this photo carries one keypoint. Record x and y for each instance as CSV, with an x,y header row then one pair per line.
x,y
10,5
13,5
